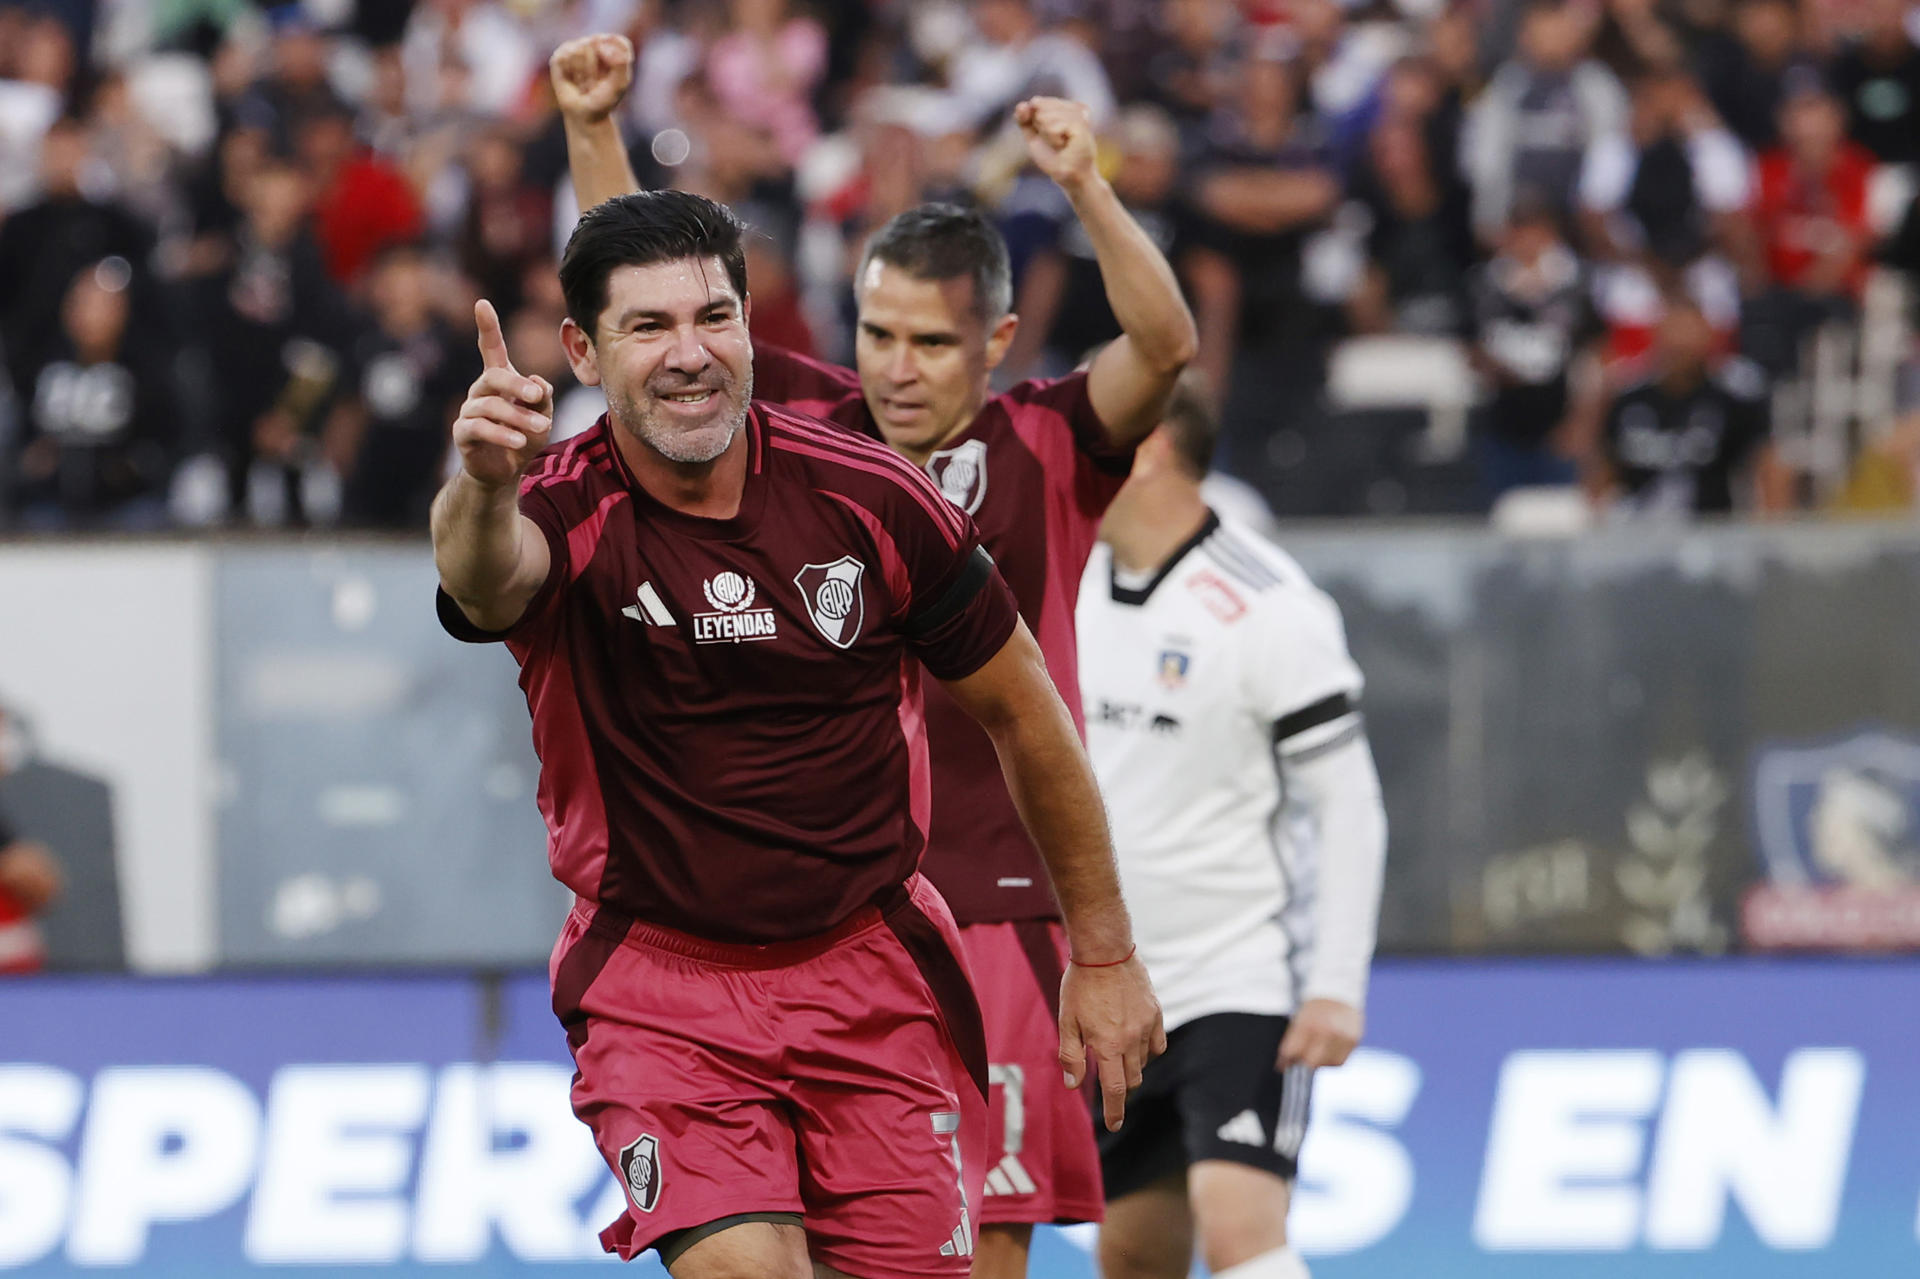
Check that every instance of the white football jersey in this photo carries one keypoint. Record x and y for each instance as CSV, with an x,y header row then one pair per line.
x,y
1194,684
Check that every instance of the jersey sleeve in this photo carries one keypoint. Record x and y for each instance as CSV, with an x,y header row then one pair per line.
x,y
538,506
948,598
805,385
1067,400
1303,682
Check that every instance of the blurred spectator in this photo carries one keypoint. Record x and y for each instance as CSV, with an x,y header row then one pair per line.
x,y
29,883
1339,68
1532,127
404,377
296,87
1634,38
1878,77
1670,188
493,51
273,321
1259,184
1016,58
43,246
1532,320
765,69
36,75
360,203
97,440
1691,437
1746,77
1813,225
507,220
1062,303
1193,72
1420,246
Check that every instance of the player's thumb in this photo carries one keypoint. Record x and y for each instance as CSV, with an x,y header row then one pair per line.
x,y
493,342
1293,1045
1073,1054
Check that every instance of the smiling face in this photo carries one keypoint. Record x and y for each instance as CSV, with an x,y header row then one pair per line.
x,y
924,353
672,352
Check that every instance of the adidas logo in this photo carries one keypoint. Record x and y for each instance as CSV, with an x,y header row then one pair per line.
x,y
1243,1129
1008,1178
961,1245
649,607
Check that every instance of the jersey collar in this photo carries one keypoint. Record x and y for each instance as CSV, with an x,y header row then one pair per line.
x,y
752,499
1122,595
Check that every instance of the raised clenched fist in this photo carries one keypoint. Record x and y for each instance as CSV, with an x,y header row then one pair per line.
x,y
591,75
1059,139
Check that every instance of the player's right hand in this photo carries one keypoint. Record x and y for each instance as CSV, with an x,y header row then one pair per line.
x,y
507,417
1109,1019
591,75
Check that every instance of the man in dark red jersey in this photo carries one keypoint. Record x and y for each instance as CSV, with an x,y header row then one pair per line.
x,y
721,611
1035,468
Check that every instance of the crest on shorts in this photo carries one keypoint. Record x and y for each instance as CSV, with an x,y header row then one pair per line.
x,y
961,473
834,601
640,1169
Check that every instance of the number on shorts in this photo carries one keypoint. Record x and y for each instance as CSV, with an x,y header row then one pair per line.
x,y
1010,1176
946,1123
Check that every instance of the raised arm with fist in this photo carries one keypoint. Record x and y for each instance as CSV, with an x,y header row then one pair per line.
x,y
591,75
1060,141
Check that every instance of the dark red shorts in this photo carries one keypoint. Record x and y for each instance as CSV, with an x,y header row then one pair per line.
x,y
839,1078
1042,1161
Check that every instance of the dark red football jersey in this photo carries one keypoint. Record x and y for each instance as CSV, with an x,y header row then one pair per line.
x,y
729,713
1036,472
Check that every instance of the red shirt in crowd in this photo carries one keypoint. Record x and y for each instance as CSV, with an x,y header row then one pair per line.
x,y
367,205
1801,217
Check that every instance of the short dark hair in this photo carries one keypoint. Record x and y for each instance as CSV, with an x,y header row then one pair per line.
x,y
944,242
638,230
1191,423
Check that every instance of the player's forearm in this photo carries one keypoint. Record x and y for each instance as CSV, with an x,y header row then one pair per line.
x,y
1140,284
1053,789
1342,790
477,546
597,161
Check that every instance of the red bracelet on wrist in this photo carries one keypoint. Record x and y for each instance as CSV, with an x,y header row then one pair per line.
x,y
1111,963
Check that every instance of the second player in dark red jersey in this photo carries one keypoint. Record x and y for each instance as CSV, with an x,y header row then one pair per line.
x,y
1036,468
721,611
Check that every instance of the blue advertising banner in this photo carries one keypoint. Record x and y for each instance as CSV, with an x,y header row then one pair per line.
x,y
1544,1119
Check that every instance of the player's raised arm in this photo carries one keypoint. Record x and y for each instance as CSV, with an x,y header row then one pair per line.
x,y
492,559
1108,1014
1132,377
590,77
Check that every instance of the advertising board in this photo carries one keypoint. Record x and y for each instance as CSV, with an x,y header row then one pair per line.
x,y
1571,1119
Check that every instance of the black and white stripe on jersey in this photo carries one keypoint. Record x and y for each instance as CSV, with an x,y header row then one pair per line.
x,y
1233,555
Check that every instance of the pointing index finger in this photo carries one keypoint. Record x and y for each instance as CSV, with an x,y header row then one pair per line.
x,y
493,343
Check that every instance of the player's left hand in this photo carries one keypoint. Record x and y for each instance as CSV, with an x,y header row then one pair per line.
x,y
1324,1032
1109,1019
1060,139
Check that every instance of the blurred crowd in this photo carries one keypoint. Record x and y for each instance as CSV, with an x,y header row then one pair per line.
x,y
241,242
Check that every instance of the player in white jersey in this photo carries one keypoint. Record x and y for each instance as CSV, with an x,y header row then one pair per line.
x,y
1223,722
